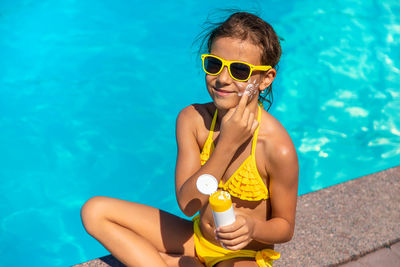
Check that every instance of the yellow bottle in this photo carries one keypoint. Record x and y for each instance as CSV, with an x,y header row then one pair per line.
x,y
222,209
220,201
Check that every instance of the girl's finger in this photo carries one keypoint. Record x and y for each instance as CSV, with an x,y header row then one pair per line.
x,y
232,234
237,243
231,228
242,103
250,120
229,236
229,114
237,247
245,117
254,126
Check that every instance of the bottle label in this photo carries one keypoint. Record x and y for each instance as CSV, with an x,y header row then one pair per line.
x,y
224,218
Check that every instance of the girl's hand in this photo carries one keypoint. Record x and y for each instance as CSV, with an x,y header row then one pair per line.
x,y
237,235
238,124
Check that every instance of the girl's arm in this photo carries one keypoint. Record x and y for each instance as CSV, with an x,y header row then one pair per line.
x,y
237,126
283,172
188,167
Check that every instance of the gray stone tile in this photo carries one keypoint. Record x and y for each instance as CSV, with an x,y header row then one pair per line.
x,y
341,222
352,264
383,258
396,248
106,261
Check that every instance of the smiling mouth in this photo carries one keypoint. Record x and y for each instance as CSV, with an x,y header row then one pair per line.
x,y
223,92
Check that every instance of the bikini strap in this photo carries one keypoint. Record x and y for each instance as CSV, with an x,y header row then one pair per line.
x,y
253,147
213,124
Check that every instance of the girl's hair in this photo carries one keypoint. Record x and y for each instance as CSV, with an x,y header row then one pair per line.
x,y
247,26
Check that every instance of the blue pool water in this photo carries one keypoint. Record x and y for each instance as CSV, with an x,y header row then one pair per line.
x,y
89,97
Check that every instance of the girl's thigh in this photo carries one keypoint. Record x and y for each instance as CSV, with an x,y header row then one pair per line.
x,y
166,232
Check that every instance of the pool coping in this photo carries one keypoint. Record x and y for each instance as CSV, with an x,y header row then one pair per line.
x,y
337,224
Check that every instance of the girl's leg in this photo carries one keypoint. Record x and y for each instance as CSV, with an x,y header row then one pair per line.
x,y
138,235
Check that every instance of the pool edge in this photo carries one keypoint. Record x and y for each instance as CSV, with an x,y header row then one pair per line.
x,y
337,224
340,223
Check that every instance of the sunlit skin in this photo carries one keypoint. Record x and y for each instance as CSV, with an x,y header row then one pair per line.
x,y
224,90
139,235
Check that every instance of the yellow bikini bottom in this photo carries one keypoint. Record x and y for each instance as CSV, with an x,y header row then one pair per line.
x,y
211,254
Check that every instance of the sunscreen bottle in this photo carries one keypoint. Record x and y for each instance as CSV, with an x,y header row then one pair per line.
x,y
220,201
222,209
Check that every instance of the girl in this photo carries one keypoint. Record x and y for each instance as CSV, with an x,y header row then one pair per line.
x,y
231,138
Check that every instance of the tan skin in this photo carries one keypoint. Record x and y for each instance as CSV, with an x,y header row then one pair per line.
x,y
139,235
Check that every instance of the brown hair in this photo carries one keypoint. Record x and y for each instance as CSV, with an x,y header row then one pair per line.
x,y
247,26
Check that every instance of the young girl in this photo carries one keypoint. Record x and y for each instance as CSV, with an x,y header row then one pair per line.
x,y
232,138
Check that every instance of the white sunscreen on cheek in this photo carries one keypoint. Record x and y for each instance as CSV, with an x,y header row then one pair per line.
x,y
251,89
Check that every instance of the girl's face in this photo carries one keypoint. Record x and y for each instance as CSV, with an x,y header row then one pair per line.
x,y
223,89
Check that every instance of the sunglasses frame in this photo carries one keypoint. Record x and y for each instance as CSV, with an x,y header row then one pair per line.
x,y
228,63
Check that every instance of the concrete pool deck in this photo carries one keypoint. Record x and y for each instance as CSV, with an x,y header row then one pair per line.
x,y
348,224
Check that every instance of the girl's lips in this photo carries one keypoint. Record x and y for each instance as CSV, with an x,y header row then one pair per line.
x,y
221,92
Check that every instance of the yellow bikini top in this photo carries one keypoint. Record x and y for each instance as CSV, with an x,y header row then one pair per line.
x,y
246,182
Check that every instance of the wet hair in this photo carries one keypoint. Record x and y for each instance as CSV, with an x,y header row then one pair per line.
x,y
247,26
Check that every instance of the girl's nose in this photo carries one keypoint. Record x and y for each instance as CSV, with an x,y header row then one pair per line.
x,y
224,77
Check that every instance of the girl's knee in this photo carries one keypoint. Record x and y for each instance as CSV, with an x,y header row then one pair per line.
x,y
93,212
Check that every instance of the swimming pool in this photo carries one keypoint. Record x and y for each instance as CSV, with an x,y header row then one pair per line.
x,y
89,97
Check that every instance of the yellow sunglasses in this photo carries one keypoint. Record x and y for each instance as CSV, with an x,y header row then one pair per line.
x,y
239,70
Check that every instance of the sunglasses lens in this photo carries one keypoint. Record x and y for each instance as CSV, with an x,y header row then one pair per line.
x,y
212,65
240,71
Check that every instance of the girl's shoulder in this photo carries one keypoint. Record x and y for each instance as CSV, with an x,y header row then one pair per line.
x,y
270,125
196,119
275,138
198,113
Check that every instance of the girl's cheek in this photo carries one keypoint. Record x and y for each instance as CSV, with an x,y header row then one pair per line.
x,y
242,86
250,87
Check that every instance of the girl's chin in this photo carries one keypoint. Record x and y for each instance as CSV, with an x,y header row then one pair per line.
x,y
225,105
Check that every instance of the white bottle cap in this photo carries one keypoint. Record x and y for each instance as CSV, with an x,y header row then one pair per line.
x,y
207,184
